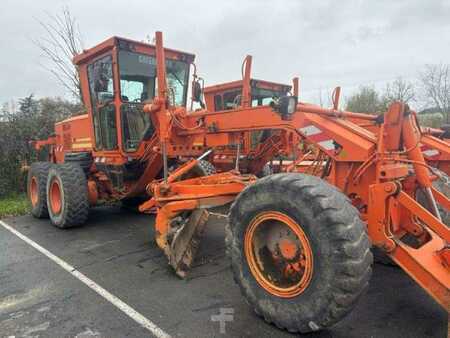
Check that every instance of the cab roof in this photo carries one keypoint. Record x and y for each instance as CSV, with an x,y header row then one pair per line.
x,y
253,83
127,44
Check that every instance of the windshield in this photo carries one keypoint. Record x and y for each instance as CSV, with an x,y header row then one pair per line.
x,y
138,83
232,99
138,78
261,96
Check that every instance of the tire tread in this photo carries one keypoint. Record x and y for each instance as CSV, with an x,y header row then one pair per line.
x,y
40,170
338,219
75,195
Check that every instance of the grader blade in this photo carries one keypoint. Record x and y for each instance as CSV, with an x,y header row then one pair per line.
x,y
186,242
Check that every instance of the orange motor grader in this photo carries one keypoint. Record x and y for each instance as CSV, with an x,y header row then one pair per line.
x,y
115,142
299,242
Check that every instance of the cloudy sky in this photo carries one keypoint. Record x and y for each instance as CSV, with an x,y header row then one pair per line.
x,y
326,43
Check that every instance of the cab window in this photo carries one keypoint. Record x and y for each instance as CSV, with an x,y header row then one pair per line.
x,y
136,126
138,83
263,97
177,81
100,76
218,105
137,76
101,80
232,99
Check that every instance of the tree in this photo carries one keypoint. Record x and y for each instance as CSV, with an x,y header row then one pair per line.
x,y
14,129
53,110
62,42
435,81
398,90
366,100
33,119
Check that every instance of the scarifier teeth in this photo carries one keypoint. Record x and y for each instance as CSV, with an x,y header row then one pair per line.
x,y
186,242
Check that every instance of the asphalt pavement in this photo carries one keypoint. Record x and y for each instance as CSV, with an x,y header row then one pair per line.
x,y
115,249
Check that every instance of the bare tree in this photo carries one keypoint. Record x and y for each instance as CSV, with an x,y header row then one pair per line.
x,y
436,87
60,44
324,98
320,96
398,90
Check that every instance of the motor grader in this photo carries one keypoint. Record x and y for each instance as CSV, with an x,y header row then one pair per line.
x,y
299,241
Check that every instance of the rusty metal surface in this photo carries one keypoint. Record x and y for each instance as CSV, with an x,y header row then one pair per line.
x,y
186,241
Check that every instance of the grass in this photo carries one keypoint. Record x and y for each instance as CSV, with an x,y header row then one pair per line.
x,y
14,205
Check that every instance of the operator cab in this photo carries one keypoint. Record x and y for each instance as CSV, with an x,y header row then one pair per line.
x,y
228,95
117,77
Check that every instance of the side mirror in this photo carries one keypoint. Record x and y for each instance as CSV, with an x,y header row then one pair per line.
x,y
197,91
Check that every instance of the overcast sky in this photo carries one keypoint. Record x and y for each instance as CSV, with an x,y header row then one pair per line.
x,y
326,43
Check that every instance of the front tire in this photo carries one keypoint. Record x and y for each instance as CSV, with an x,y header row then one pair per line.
x,y
313,258
67,195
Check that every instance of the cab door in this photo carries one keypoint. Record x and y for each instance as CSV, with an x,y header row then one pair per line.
x,y
100,76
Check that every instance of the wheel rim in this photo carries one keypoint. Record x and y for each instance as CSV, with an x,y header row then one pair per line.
x,y
55,197
278,254
34,192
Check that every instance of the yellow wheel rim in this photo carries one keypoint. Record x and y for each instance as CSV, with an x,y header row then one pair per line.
x,y
279,254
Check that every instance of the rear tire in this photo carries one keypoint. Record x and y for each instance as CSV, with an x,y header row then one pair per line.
x,y
265,171
341,258
203,168
443,185
36,188
67,195
84,159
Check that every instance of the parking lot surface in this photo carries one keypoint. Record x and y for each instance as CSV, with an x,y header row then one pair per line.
x,y
116,250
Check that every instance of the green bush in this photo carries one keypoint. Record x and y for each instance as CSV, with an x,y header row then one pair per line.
x,y
34,119
434,120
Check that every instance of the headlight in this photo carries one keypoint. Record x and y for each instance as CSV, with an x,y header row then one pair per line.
x,y
287,106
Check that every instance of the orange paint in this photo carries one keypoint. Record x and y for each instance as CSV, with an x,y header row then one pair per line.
x,y
377,161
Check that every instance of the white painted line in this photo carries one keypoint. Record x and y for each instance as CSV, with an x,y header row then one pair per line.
x,y
125,308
